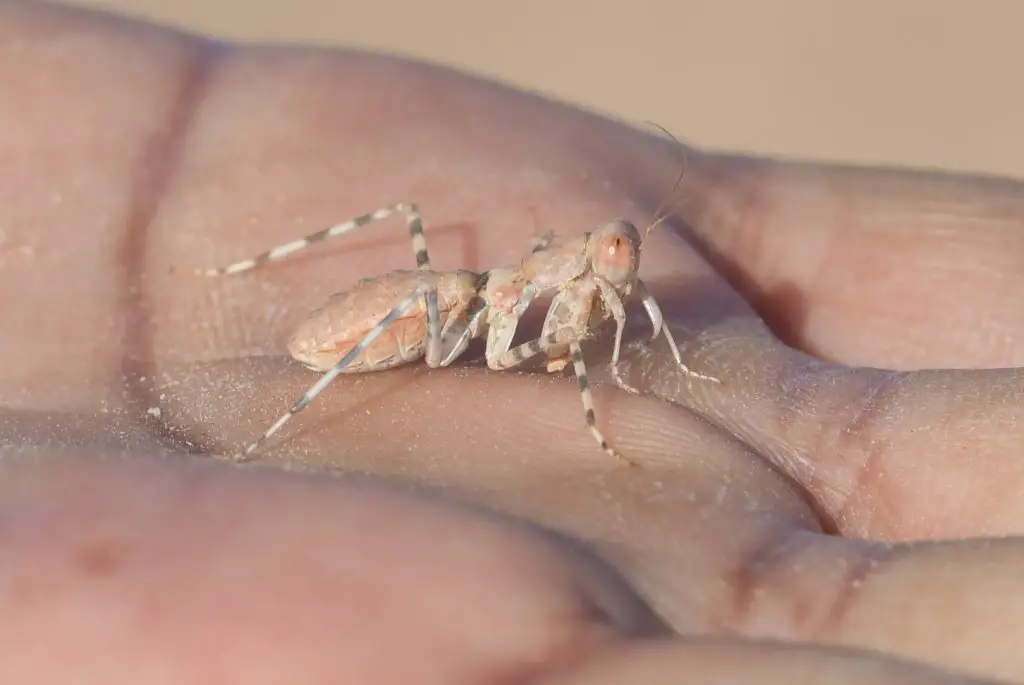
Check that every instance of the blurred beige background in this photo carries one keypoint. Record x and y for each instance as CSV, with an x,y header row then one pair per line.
x,y
917,82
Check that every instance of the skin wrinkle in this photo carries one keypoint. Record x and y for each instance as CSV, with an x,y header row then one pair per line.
x,y
753,571
643,367
779,561
39,430
160,163
851,449
783,369
802,390
870,557
864,452
798,401
802,383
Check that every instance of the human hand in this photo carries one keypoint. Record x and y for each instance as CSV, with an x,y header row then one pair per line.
x,y
128,150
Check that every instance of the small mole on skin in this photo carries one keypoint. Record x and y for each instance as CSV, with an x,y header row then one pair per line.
x,y
99,559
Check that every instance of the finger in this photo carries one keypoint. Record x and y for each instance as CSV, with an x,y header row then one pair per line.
x,y
135,570
951,604
873,267
714,662
885,455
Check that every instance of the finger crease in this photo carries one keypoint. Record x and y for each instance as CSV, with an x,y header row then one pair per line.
x,y
871,557
160,164
862,444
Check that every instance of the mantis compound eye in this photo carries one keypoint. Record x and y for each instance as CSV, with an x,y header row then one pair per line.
x,y
616,251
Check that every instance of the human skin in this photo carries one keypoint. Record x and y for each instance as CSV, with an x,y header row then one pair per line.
x,y
803,521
